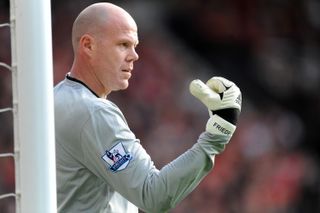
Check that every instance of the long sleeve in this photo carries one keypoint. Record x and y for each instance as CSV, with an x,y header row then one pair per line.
x,y
136,177
102,167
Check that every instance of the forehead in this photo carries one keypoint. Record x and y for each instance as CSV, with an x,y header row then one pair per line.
x,y
128,35
122,28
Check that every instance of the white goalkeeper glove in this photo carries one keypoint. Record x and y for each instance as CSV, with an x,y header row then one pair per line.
x,y
223,100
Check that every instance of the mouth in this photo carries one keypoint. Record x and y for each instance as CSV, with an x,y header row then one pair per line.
x,y
127,72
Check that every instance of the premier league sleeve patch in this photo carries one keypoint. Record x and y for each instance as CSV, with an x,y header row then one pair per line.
x,y
117,158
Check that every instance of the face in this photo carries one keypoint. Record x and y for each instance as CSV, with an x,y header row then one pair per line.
x,y
115,54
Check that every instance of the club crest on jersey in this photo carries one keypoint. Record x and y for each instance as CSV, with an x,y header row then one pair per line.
x,y
117,158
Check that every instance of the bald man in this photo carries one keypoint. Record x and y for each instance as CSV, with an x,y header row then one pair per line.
x,y
101,166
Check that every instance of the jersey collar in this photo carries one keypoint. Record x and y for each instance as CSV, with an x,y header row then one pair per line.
x,y
80,82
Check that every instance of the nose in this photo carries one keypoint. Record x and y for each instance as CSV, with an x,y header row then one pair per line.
x,y
133,56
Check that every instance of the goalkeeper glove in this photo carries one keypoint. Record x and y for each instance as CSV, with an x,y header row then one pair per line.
x,y
223,100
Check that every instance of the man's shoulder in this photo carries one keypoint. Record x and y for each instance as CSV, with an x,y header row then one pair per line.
x,y
80,101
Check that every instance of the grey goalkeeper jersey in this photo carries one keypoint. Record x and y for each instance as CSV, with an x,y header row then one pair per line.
x,y
101,166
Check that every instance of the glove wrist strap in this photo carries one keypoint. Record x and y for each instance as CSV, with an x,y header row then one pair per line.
x,y
218,126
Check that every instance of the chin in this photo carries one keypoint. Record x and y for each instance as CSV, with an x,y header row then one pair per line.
x,y
124,85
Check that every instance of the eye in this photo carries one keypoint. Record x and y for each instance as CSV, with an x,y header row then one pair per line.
x,y
125,44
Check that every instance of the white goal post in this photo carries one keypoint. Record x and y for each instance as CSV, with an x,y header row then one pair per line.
x,y
32,82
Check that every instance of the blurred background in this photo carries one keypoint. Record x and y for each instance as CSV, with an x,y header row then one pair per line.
x,y
270,48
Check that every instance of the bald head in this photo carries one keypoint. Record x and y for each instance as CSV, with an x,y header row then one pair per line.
x,y
96,18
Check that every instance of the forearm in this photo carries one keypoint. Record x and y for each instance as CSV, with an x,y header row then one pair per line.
x,y
165,188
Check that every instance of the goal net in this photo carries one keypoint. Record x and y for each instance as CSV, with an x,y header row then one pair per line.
x,y
32,106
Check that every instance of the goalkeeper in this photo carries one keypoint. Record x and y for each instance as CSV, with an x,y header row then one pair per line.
x,y
101,165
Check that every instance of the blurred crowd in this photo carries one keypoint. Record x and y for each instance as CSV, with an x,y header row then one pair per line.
x,y
271,49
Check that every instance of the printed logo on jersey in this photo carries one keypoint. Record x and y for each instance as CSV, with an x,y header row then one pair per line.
x,y
117,158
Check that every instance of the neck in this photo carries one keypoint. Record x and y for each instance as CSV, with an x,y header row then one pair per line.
x,y
86,75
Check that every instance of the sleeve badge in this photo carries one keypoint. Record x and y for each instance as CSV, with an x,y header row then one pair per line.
x,y
117,158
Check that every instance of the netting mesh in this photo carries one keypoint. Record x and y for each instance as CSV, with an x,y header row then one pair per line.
x,y
7,156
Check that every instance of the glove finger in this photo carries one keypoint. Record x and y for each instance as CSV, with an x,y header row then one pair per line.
x,y
228,90
206,95
219,84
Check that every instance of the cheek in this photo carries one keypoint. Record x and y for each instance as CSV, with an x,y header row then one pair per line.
x,y
109,62
112,58
106,63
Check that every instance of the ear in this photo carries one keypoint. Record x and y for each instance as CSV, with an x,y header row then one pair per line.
x,y
87,44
